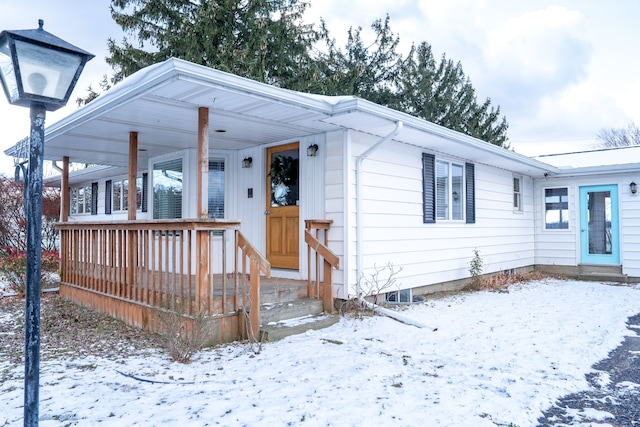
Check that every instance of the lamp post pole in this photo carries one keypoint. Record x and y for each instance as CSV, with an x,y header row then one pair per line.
x,y
37,70
33,213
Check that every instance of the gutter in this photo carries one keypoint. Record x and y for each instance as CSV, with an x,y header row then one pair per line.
x,y
361,300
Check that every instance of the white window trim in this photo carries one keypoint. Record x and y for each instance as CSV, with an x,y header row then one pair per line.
x,y
462,196
113,185
519,208
74,190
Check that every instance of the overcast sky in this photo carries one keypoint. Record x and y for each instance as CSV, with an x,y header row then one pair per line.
x,y
559,70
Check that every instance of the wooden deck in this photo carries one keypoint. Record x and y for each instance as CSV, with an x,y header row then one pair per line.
x,y
132,270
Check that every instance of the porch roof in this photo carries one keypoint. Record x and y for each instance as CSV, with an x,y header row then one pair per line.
x,y
159,101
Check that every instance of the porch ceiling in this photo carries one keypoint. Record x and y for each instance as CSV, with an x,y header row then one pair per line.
x,y
165,115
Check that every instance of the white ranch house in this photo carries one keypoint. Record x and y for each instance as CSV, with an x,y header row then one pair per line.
x,y
374,185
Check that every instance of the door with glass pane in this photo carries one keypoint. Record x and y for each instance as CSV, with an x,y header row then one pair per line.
x,y
599,236
282,210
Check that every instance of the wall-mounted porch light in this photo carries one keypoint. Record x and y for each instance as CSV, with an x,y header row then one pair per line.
x,y
312,150
633,187
246,163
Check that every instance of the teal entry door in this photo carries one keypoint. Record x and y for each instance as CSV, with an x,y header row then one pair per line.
x,y
599,230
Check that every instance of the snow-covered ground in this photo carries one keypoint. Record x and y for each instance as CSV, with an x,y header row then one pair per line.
x,y
496,359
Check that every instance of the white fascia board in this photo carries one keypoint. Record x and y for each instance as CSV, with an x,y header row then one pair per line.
x,y
346,107
598,170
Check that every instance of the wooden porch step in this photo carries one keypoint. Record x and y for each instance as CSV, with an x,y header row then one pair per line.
x,y
277,290
279,330
275,312
283,319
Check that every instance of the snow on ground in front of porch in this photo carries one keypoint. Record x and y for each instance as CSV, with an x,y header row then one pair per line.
x,y
496,358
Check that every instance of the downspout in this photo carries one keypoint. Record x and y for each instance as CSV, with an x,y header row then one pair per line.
x,y
360,297
359,161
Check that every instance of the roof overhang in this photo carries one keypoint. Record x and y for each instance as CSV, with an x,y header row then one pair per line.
x,y
160,103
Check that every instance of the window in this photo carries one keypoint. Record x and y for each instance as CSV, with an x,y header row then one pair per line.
x,y
448,190
517,193
81,200
556,208
167,189
403,295
120,194
216,189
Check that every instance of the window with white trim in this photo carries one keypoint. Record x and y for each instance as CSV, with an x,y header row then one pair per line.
x,y
120,194
448,190
167,189
556,208
81,200
517,193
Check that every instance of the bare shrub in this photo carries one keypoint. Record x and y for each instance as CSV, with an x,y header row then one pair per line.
x,y
184,334
500,282
376,283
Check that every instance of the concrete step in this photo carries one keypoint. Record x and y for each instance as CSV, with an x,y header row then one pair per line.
x,y
278,330
605,277
588,269
275,312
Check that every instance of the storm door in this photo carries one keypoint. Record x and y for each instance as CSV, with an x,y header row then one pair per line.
x,y
599,236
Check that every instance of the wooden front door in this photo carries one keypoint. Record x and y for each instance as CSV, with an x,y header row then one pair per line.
x,y
282,210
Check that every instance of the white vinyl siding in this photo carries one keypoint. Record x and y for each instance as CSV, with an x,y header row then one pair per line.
x,y
562,246
394,229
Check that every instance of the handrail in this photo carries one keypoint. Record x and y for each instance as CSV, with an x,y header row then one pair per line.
x,y
251,251
330,261
173,224
258,263
321,249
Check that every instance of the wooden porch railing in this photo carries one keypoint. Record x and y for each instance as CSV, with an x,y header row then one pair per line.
x,y
314,229
183,265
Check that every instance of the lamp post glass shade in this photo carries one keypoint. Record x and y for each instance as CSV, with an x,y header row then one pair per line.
x,y
38,67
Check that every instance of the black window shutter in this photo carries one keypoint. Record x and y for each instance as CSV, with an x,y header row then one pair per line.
x,y
145,194
107,197
94,198
428,188
471,192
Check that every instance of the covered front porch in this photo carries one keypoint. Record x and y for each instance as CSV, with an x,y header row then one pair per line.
x,y
133,270
193,147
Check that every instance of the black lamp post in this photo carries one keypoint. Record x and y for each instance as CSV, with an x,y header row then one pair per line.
x,y
38,70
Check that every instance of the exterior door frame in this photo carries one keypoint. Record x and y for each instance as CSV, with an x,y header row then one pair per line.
x,y
587,256
282,222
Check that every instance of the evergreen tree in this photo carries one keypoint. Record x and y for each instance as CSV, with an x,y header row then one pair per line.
x,y
263,40
267,41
